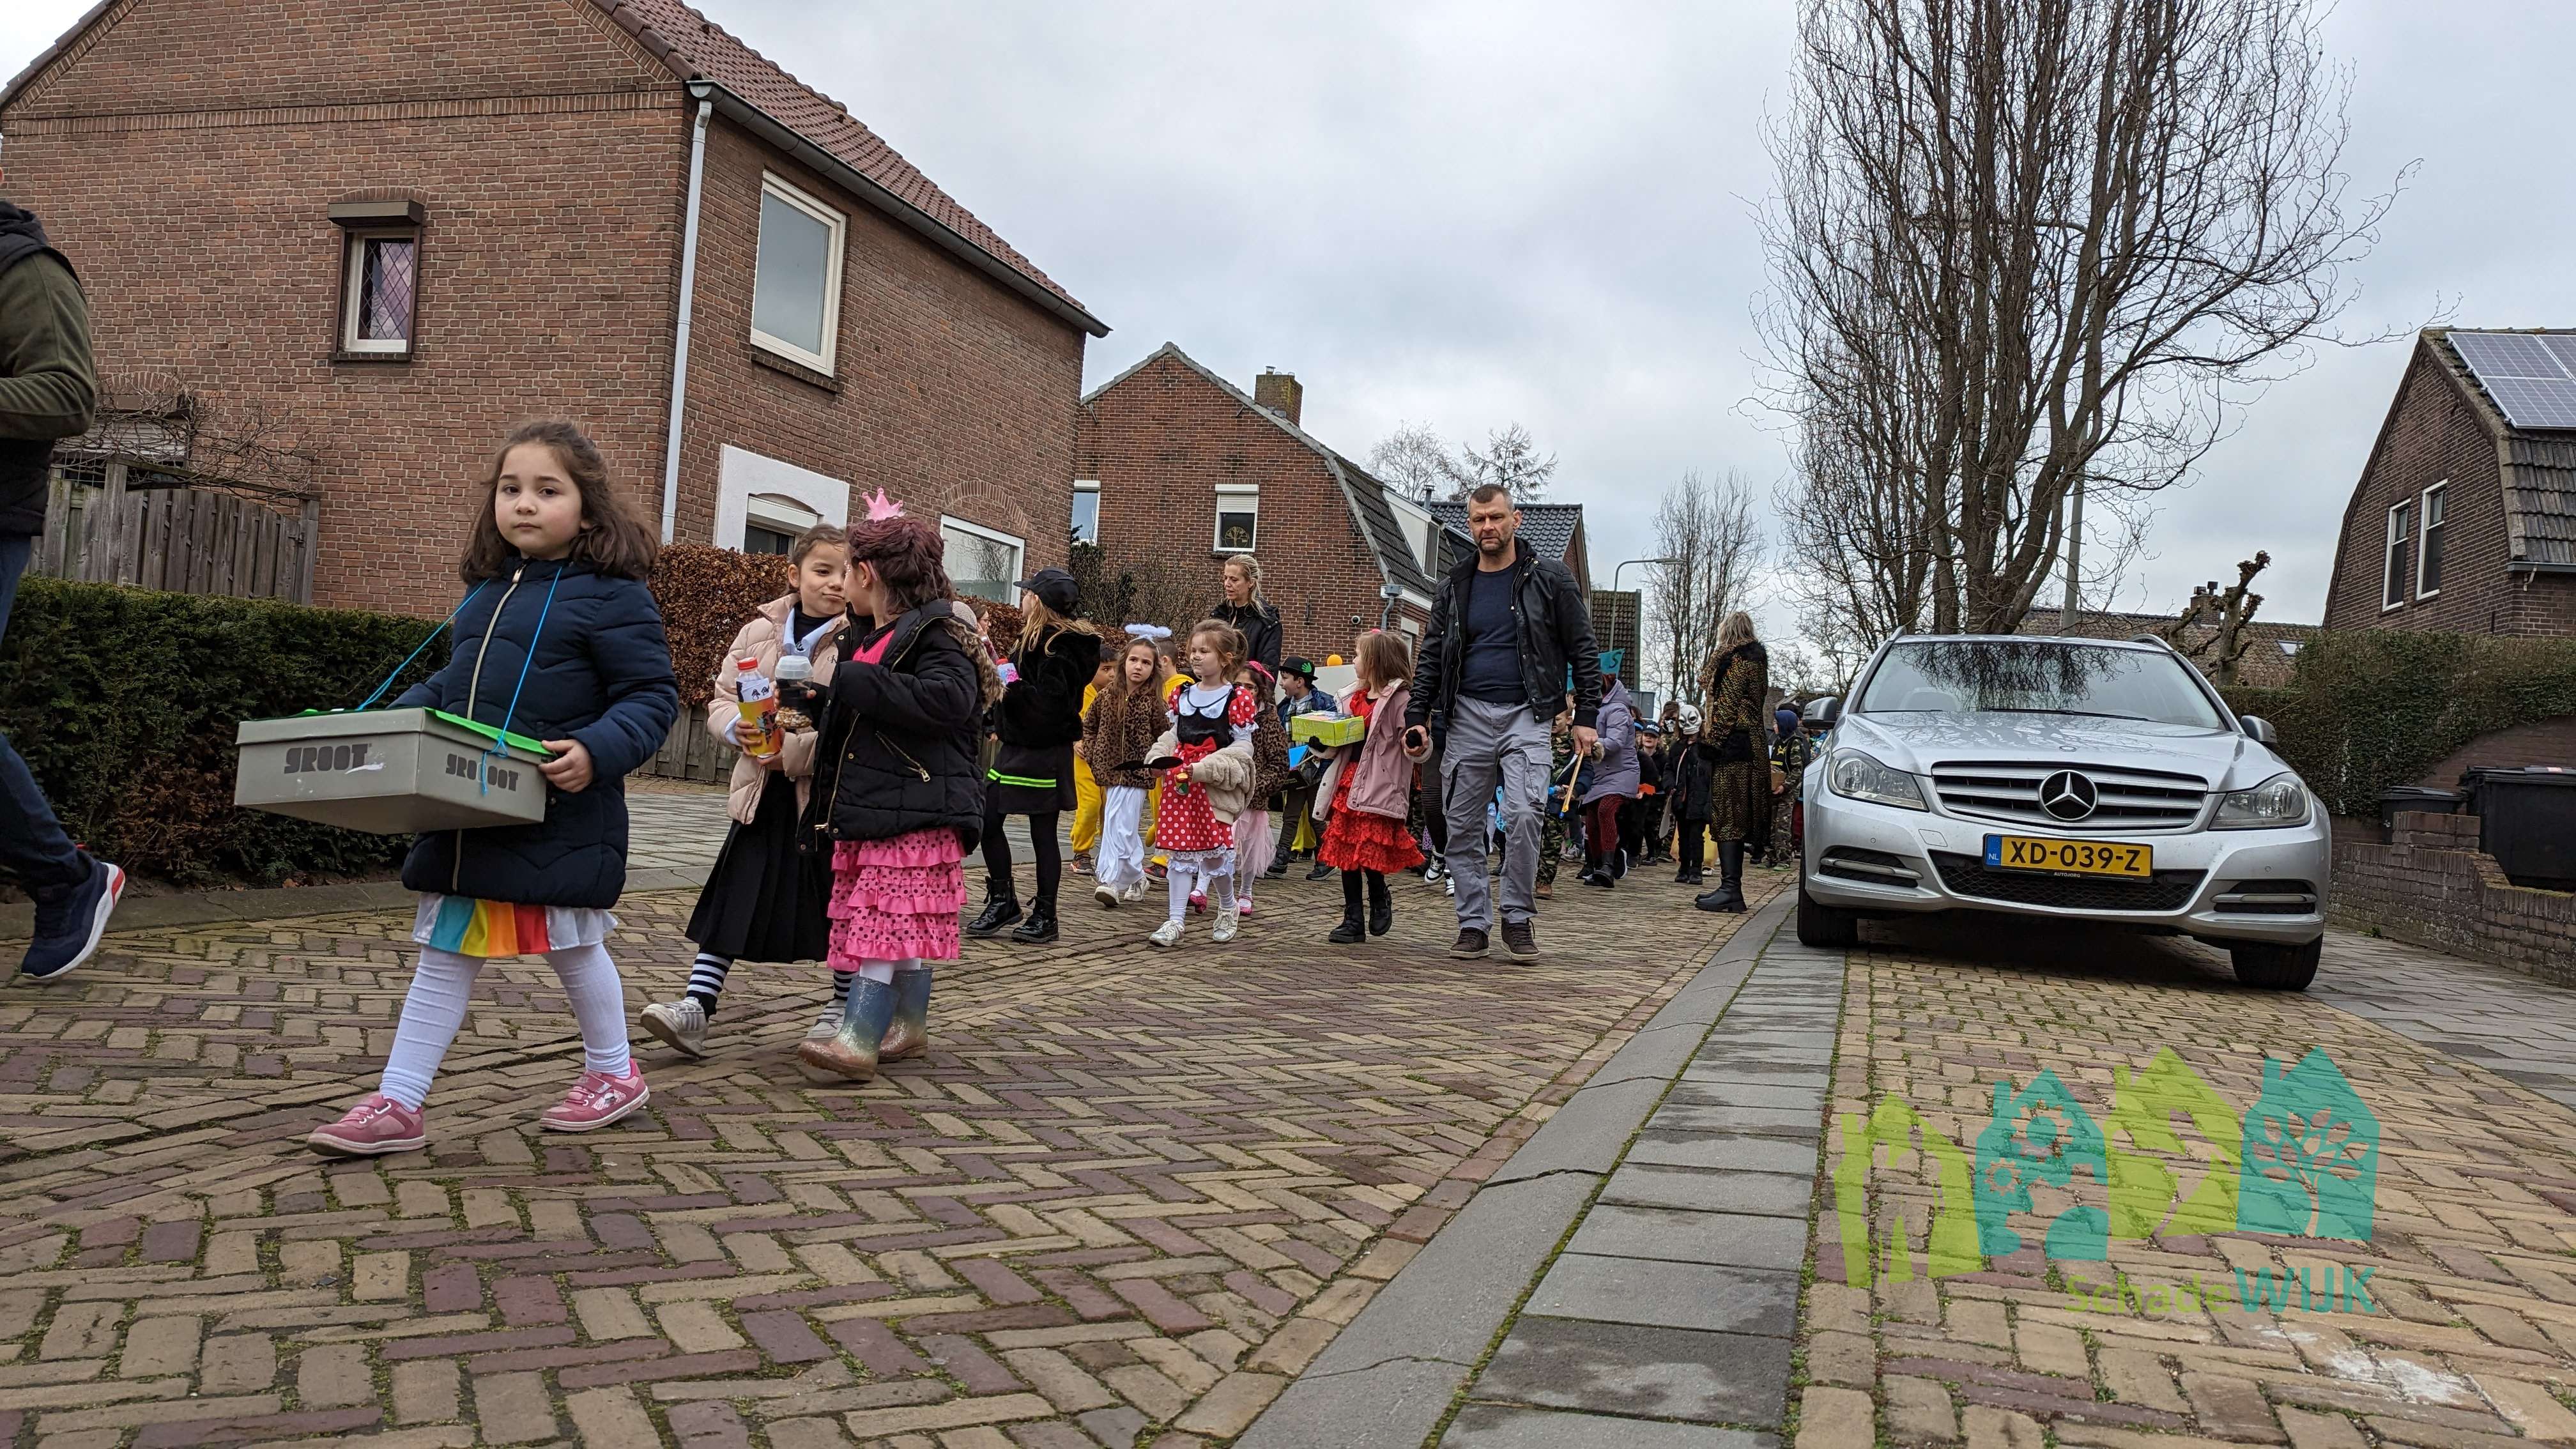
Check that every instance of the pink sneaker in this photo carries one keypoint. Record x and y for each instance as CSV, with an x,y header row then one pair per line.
x,y
597,1100
1243,908
1198,903
377,1125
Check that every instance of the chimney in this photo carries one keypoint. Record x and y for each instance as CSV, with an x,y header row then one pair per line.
x,y
1279,392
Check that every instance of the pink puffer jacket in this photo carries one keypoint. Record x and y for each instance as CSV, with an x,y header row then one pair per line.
x,y
760,639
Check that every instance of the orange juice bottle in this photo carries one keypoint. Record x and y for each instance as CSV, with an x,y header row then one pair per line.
x,y
757,732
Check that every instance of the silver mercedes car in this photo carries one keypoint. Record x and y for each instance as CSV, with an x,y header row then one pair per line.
x,y
2074,779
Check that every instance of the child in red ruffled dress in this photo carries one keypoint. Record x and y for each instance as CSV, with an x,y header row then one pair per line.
x,y
1364,835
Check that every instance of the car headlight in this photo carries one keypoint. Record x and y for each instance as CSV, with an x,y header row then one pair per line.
x,y
1856,776
2281,800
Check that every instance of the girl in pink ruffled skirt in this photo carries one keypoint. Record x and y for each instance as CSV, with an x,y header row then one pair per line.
x,y
904,797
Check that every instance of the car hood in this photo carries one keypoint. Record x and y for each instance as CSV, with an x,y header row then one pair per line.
x,y
1916,742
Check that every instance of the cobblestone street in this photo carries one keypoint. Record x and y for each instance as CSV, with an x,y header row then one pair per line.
x,y
2452,1327
1130,1191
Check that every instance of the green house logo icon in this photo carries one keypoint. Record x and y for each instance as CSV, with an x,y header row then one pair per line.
x,y
2309,1166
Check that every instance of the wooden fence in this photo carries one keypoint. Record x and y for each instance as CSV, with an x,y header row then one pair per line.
x,y
152,531
691,753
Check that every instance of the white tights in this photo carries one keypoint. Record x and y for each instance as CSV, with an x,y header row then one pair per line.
x,y
882,972
1213,870
444,983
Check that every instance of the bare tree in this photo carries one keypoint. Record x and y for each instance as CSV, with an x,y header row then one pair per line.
x,y
1510,460
1709,531
2211,629
2027,247
1416,461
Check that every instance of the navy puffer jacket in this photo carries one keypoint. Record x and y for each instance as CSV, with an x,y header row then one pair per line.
x,y
601,676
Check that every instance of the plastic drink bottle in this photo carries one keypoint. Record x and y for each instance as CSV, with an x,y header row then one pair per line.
x,y
757,730
794,673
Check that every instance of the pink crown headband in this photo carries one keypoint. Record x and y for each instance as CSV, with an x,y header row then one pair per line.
x,y
880,507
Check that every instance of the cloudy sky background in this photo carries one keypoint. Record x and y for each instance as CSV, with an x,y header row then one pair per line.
x,y
1468,214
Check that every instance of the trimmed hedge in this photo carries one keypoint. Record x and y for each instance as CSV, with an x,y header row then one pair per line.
x,y
2371,708
706,593
124,703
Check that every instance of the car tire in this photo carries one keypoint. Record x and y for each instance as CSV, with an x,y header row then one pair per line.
x,y
1824,926
2268,967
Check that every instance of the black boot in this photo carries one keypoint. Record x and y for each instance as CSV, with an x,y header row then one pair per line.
x,y
1729,895
1039,928
1381,905
1353,930
1001,908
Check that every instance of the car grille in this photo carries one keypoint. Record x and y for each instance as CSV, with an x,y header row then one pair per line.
x,y
1966,875
2126,799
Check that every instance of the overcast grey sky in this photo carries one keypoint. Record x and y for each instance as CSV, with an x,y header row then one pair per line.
x,y
1465,214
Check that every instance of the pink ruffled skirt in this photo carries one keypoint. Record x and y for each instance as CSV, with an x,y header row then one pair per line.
x,y
898,898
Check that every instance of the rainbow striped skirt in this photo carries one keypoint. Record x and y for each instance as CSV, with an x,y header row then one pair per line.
x,y
465,926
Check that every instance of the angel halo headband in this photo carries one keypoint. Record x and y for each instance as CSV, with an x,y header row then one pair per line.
x,y
1155,632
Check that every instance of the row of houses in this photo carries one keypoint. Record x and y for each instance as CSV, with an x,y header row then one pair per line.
x,y
390,232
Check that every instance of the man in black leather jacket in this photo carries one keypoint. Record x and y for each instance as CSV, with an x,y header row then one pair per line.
x,y
1507,632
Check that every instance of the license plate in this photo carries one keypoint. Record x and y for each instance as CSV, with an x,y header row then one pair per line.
x,y
2069,857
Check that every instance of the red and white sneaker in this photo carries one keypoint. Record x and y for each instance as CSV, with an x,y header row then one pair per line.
x,y
597,1100
374,1127
1198,903
1243,907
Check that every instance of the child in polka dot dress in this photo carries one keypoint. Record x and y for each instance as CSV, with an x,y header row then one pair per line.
x,y
1208,715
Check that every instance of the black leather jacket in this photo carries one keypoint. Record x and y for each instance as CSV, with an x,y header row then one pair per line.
x,y
1556,631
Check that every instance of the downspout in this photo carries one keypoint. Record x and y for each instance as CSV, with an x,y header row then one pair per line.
x,y
680,333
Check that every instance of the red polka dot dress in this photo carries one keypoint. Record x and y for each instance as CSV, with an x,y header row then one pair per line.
x,y
1205,719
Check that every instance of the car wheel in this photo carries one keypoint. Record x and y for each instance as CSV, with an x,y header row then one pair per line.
x,y
2268,967
1824,925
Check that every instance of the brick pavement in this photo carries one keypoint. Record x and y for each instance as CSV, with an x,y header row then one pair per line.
x,y
2469,1275
1130,1192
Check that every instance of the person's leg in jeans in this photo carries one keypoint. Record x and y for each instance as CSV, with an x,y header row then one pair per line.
x,y
33,848
1521,761
1469,766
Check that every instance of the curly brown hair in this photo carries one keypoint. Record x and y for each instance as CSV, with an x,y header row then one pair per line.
x,y
614,539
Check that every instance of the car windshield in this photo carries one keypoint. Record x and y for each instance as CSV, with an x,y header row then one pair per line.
x,y
2015,676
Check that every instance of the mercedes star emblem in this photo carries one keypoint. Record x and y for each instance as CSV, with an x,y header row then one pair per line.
x,y
2067,795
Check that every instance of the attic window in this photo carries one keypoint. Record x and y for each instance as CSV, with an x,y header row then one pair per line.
x,y
796,276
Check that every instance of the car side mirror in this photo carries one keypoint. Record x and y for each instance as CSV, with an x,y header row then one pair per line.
x,y
2258,729
1823,710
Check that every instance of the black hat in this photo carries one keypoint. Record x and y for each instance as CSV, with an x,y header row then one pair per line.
x,y
1299,667
1055,588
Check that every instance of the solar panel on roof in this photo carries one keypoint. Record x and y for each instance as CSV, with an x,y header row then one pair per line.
x,y
2532,378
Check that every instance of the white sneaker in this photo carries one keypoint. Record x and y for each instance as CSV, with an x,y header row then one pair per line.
x,y
828,1024
1225,927
1166,934
1435,871
1106,894
1449,886
1134,892
682,1024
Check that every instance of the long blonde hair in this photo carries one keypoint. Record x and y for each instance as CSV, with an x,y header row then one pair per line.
x,y
1251,573
1734,631
1037,621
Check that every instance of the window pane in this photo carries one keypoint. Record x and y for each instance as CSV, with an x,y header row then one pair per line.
x,y
1086,517
795,258
756,539
2431,579
983,567
385,288
2397,530
1234,530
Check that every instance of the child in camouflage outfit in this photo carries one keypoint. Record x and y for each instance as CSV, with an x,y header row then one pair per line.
x,y
1551,817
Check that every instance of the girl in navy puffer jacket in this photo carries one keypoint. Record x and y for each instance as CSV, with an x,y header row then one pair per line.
x,y
559,639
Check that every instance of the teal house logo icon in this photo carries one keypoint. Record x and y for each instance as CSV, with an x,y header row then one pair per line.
x,y
2301,1162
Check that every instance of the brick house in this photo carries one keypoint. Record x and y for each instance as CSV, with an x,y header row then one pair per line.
x,y
1174,461
2462,522
398,230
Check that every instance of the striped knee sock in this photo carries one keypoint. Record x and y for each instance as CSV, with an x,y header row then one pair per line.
x,y
841,988
707,978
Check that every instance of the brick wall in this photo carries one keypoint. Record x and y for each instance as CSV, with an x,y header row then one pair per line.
x,y
2430,886
2432,433
950,393
551,157
1160,442
2547,742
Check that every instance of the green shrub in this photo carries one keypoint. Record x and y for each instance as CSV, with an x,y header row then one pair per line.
x,y
2372,708
124,703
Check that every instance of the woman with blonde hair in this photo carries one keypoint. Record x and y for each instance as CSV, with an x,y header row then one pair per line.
x,y
1735,693
1251,615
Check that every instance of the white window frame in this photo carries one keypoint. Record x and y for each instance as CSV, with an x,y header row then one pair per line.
x,y
839,226
2425,523
743,475
1018,545
1236,498
1091,486
2401,531
353,282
